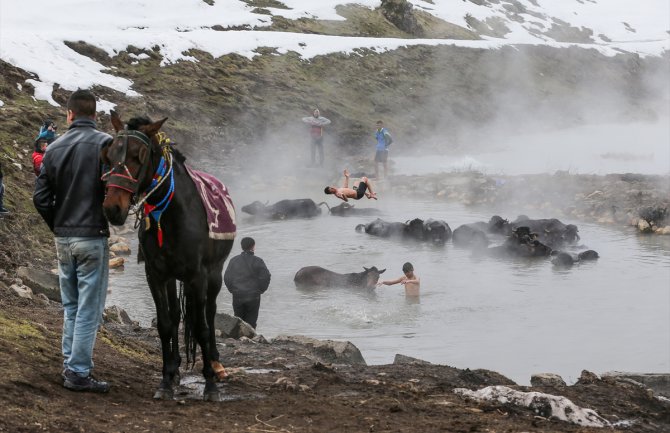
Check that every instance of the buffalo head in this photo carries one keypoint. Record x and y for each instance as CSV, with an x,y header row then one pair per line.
x,y
371,276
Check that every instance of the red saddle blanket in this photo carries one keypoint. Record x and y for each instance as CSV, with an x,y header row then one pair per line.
x,y
218,205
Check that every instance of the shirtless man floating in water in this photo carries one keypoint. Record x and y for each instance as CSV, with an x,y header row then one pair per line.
x,y
364,188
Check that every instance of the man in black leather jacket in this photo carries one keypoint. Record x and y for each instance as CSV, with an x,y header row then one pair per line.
x,y
69,195
247,278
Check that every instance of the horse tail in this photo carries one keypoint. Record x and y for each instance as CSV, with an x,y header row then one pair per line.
x,y
323,202
188,315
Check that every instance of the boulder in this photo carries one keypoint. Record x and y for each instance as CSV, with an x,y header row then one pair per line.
x,y
644,226
41,282
116,262
22,291
547,379
120,249
328,351
401,14
233,327
587,377
115,314
659,383
403,359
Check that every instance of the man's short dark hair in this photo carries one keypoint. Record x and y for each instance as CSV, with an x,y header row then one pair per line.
x,y
327,190
247,244
82,103
407,267
380,122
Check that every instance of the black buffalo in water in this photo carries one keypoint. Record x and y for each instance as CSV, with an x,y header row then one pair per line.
x,y
383,229
522,243
284,209
430,230
346,209
316,276
475,235
566,260
551,231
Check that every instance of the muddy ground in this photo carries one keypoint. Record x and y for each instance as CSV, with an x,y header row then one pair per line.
x,y
272,387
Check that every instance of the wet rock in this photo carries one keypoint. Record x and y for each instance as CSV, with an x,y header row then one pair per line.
x,y
22,291
663,230
233,327
547,379
587,377
588,255
329,351
116,314
115,239
644,226
120,248
116,262
563,260
658,382
40,282
403,359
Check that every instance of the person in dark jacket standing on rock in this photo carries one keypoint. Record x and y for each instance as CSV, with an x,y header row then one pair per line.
x,y
69,195
247,278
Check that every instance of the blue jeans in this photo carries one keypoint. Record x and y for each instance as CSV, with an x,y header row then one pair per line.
x,y
83,271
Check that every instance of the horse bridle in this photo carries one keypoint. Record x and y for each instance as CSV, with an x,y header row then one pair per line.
x,y
120,176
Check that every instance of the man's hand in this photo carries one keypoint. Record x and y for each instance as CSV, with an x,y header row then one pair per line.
x,y
346,173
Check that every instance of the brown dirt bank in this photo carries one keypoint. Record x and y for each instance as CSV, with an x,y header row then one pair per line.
x,y
292,392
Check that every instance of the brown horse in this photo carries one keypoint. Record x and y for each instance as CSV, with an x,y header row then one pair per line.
x,y
176,246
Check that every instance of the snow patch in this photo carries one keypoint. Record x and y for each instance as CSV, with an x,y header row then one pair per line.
x,y
102,105
546,405
1,103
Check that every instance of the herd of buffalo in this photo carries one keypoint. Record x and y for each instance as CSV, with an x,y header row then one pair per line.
x,y
523,237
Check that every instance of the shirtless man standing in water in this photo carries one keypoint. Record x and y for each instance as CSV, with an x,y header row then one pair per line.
x,y
364,188
410,280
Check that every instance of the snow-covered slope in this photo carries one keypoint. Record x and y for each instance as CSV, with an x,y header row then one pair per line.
x,y
33,32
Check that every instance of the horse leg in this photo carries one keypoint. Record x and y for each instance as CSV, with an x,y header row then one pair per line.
x,y
198,290
213,289
165,331
175,318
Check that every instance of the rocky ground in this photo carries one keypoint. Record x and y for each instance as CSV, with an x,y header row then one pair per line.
x,y
292,384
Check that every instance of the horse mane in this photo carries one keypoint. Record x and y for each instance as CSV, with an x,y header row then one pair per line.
x,y
136,122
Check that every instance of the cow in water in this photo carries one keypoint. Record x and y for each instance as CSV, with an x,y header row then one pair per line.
x,y
522,243
346,209
476,235
566,260
550,231
284,209
430,230
383,229
316,276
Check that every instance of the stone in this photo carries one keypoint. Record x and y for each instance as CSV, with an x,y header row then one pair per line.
x,y
327,351
403,359
40,282
42,298
116,314
120,248
663,230
643,226
659,383
116,262
115,239
22,291
547,379
587,377
233,327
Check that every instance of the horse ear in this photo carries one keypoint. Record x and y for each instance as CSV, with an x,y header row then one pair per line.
x,y
366,269
382,271
153,128
116,121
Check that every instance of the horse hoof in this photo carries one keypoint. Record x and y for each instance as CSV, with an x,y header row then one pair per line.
x,y
164,394
212,396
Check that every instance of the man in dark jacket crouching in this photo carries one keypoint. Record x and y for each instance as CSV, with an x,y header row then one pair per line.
x,y
247,278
